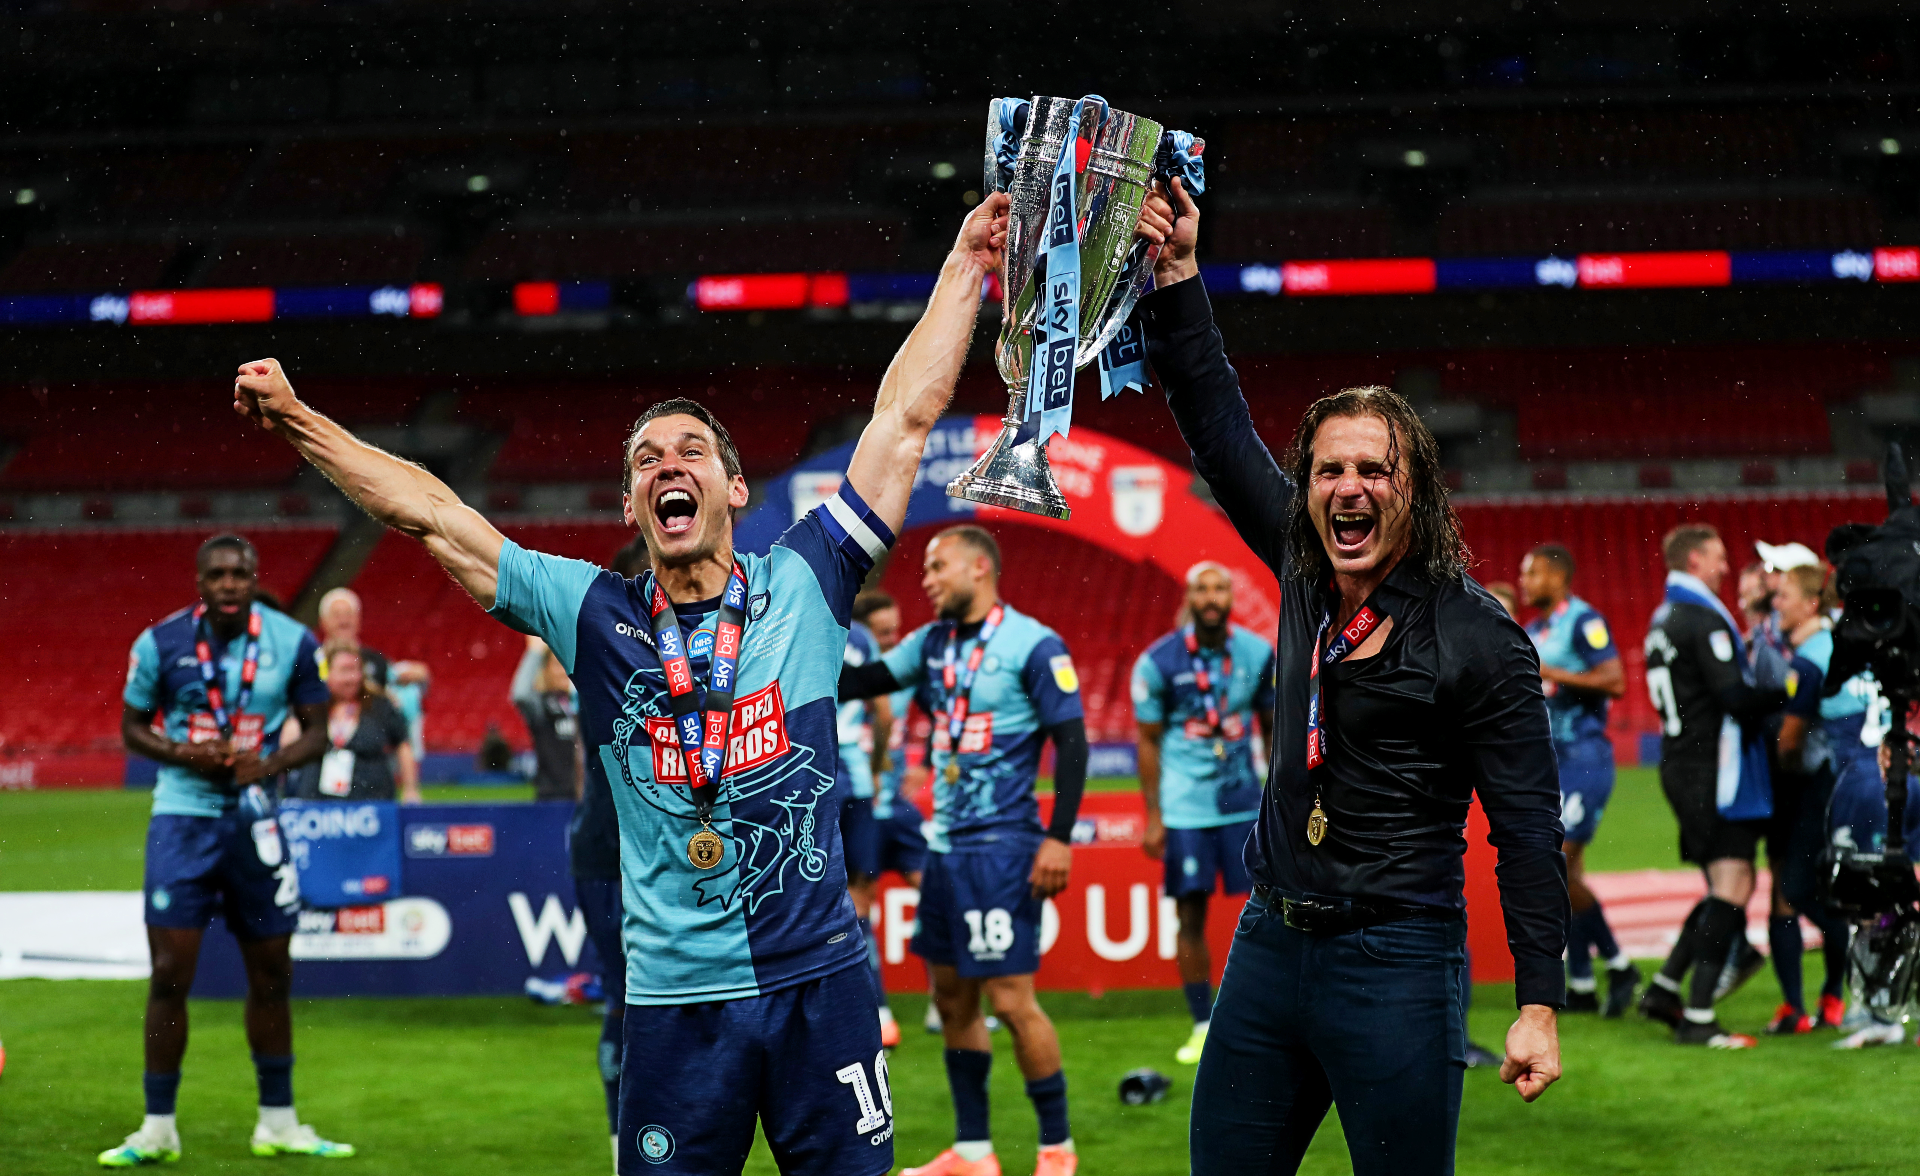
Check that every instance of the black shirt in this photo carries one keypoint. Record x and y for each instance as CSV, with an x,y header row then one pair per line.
x,y
379,733
1693,672
1451,706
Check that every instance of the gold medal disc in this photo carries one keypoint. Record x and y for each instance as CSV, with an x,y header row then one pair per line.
x,y
1316,825
953,771
705,849
1219,749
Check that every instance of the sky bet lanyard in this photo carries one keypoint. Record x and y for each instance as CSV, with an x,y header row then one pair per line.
x,y
959,686
1203,682
703,733
223,718
1344,643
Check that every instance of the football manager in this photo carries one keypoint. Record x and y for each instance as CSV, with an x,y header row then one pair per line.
x,y
1403,690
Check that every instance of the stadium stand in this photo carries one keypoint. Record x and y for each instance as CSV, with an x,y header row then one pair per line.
x,y
317,257
414,610
74,600
87,264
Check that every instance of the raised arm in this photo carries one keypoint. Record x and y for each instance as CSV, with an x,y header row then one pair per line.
x,y
1203,390
398,493
919,382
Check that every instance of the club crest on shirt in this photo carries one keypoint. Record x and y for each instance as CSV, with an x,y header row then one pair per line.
x,y
1722,643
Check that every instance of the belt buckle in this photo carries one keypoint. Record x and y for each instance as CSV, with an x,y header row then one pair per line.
x,y
1301,915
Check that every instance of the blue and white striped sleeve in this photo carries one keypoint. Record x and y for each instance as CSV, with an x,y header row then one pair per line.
x,y
840,539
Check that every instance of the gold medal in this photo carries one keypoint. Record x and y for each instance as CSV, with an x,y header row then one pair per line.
x,y
705,849
1219,749
1316,824
953,770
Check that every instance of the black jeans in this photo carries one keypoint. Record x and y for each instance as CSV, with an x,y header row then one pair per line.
x,y
1373,1020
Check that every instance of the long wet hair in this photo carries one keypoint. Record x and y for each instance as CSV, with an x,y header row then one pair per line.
x,y
1434,547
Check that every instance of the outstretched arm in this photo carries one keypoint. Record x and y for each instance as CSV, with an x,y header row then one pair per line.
x,y
398,493
920,380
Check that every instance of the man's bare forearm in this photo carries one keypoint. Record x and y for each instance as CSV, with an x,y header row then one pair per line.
x,y
919,382
397,492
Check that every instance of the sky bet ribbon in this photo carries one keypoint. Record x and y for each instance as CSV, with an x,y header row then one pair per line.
x,y
703,725
1123,361
1203,682
223,718
1344,643
1057,332
959,689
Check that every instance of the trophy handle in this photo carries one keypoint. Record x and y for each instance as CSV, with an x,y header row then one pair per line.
x,y
1133,283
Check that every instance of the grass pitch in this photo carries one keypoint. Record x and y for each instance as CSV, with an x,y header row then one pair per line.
x,y
498,1085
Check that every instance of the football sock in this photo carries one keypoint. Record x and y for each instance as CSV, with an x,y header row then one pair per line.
x,y
612,1029
1049,1097
1579,953
1833,949
1594,920
1720,925
973,1150
161,1090
967,1078
1199,996
1684,948
276,1079
278,1120
1783,935
158,1125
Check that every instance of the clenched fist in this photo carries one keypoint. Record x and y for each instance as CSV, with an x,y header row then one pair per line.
x,y
262,394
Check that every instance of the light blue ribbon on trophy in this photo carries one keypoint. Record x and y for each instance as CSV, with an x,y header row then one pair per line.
x,y
1123,362
1011,123
1050,388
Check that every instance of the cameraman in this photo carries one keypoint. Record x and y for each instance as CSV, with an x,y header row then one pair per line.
x,y
1696,676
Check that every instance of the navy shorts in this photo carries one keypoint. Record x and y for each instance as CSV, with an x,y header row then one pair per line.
x,y
805,1061
199,866
860,837
978,914
1195,857
1586,784
903,847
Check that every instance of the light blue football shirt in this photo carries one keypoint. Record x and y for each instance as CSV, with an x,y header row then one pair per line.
x,y
1199,790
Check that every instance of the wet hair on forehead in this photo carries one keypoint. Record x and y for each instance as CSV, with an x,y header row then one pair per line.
x,y
1435,546
226,542
680,406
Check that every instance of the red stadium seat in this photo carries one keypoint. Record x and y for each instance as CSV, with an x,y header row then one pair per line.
x,y
73,601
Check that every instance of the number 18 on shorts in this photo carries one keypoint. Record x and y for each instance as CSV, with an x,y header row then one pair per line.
x,y
978,913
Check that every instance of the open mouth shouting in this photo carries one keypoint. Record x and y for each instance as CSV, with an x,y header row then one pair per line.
x,y
676,511
1351,529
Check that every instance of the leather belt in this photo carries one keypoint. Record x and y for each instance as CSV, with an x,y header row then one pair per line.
x,y
1337,916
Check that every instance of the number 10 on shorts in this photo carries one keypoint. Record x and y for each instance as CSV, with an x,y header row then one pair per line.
x,y
989,933
872,1116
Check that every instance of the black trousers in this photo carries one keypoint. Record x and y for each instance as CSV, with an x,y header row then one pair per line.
x,y
1373,1020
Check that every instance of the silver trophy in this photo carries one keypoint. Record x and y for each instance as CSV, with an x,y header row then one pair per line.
x,y
1115,269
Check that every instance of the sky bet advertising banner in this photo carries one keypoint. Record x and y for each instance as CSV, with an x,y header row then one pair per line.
x,y
486,902
432,900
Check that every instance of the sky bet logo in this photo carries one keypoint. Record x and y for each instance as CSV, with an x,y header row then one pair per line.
x,y
435,841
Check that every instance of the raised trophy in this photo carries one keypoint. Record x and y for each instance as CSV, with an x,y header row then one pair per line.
x,y
1077,172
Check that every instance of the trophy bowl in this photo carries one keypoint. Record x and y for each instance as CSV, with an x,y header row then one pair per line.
x,y
1114,157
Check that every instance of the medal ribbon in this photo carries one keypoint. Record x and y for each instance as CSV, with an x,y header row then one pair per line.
x,y
1203,681
703,726
223,718
1344,643
959,686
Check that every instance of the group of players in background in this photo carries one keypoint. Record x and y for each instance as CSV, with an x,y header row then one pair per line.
x,y
749,796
